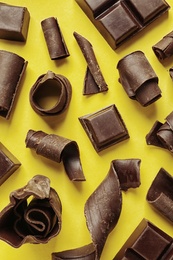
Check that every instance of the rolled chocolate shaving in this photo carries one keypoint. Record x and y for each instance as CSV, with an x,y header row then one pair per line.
x,y
12,68
57,148
36,221
102,211
63,88
164,48
138,78
93,66
160,194
54,39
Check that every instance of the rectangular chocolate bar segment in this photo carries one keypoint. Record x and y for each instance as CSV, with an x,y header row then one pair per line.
x,y
119,20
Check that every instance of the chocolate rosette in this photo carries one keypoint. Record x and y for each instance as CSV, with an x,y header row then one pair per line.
x,y
33,214
57,148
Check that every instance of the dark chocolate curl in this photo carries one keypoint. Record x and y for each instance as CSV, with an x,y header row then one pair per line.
x,y
93,66
12,68
160,194
57,148
138,78
36,221
54,39
57,84
164,48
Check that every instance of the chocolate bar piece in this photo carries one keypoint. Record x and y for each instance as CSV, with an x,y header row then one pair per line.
x,y
138,78
119,20
160,194
104,127
8,164
33,214
47,85
12,68
164,48
54,39
161,135
14,22
57,148
102,211
94,80
147,242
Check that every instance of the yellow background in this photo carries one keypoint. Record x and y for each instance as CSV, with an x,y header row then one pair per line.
x,y
138,120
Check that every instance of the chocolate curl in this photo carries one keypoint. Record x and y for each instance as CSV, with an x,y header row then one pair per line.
x,y
57,148
138,78
12,68
54,39
102,211
36,221
59,83
160,194
164,48
93,69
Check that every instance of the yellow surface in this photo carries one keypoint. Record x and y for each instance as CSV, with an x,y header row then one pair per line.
x,y
138,120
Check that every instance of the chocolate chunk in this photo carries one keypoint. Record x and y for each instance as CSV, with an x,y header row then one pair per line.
x,y
47,85
138,78
93,68
119,20
54,39
104,127
160,194
33,214
8,164
12,68
102,211
14,22
57,148
147,242
161,135
164,48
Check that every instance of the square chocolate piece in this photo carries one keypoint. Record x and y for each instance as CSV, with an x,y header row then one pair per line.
x,y
8,164
104,127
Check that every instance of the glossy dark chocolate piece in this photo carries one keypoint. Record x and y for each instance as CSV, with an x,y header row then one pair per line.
x,y
147,242
36,221
104,127
102,211
59,86
164,48
54,39
160,194
138,78
12,68
161,134
57,148
119,20
93,69
8,164
14,22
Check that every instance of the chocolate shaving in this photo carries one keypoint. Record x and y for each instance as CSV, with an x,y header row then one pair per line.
x,y
57,148
12,68
138,78
93,67
57,83
160,194
35,221
54,39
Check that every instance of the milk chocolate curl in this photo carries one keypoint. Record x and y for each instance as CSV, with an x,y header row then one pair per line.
x,y
54,39
31,221
57,148
138,78
164,48
93,70
12,68
50,84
